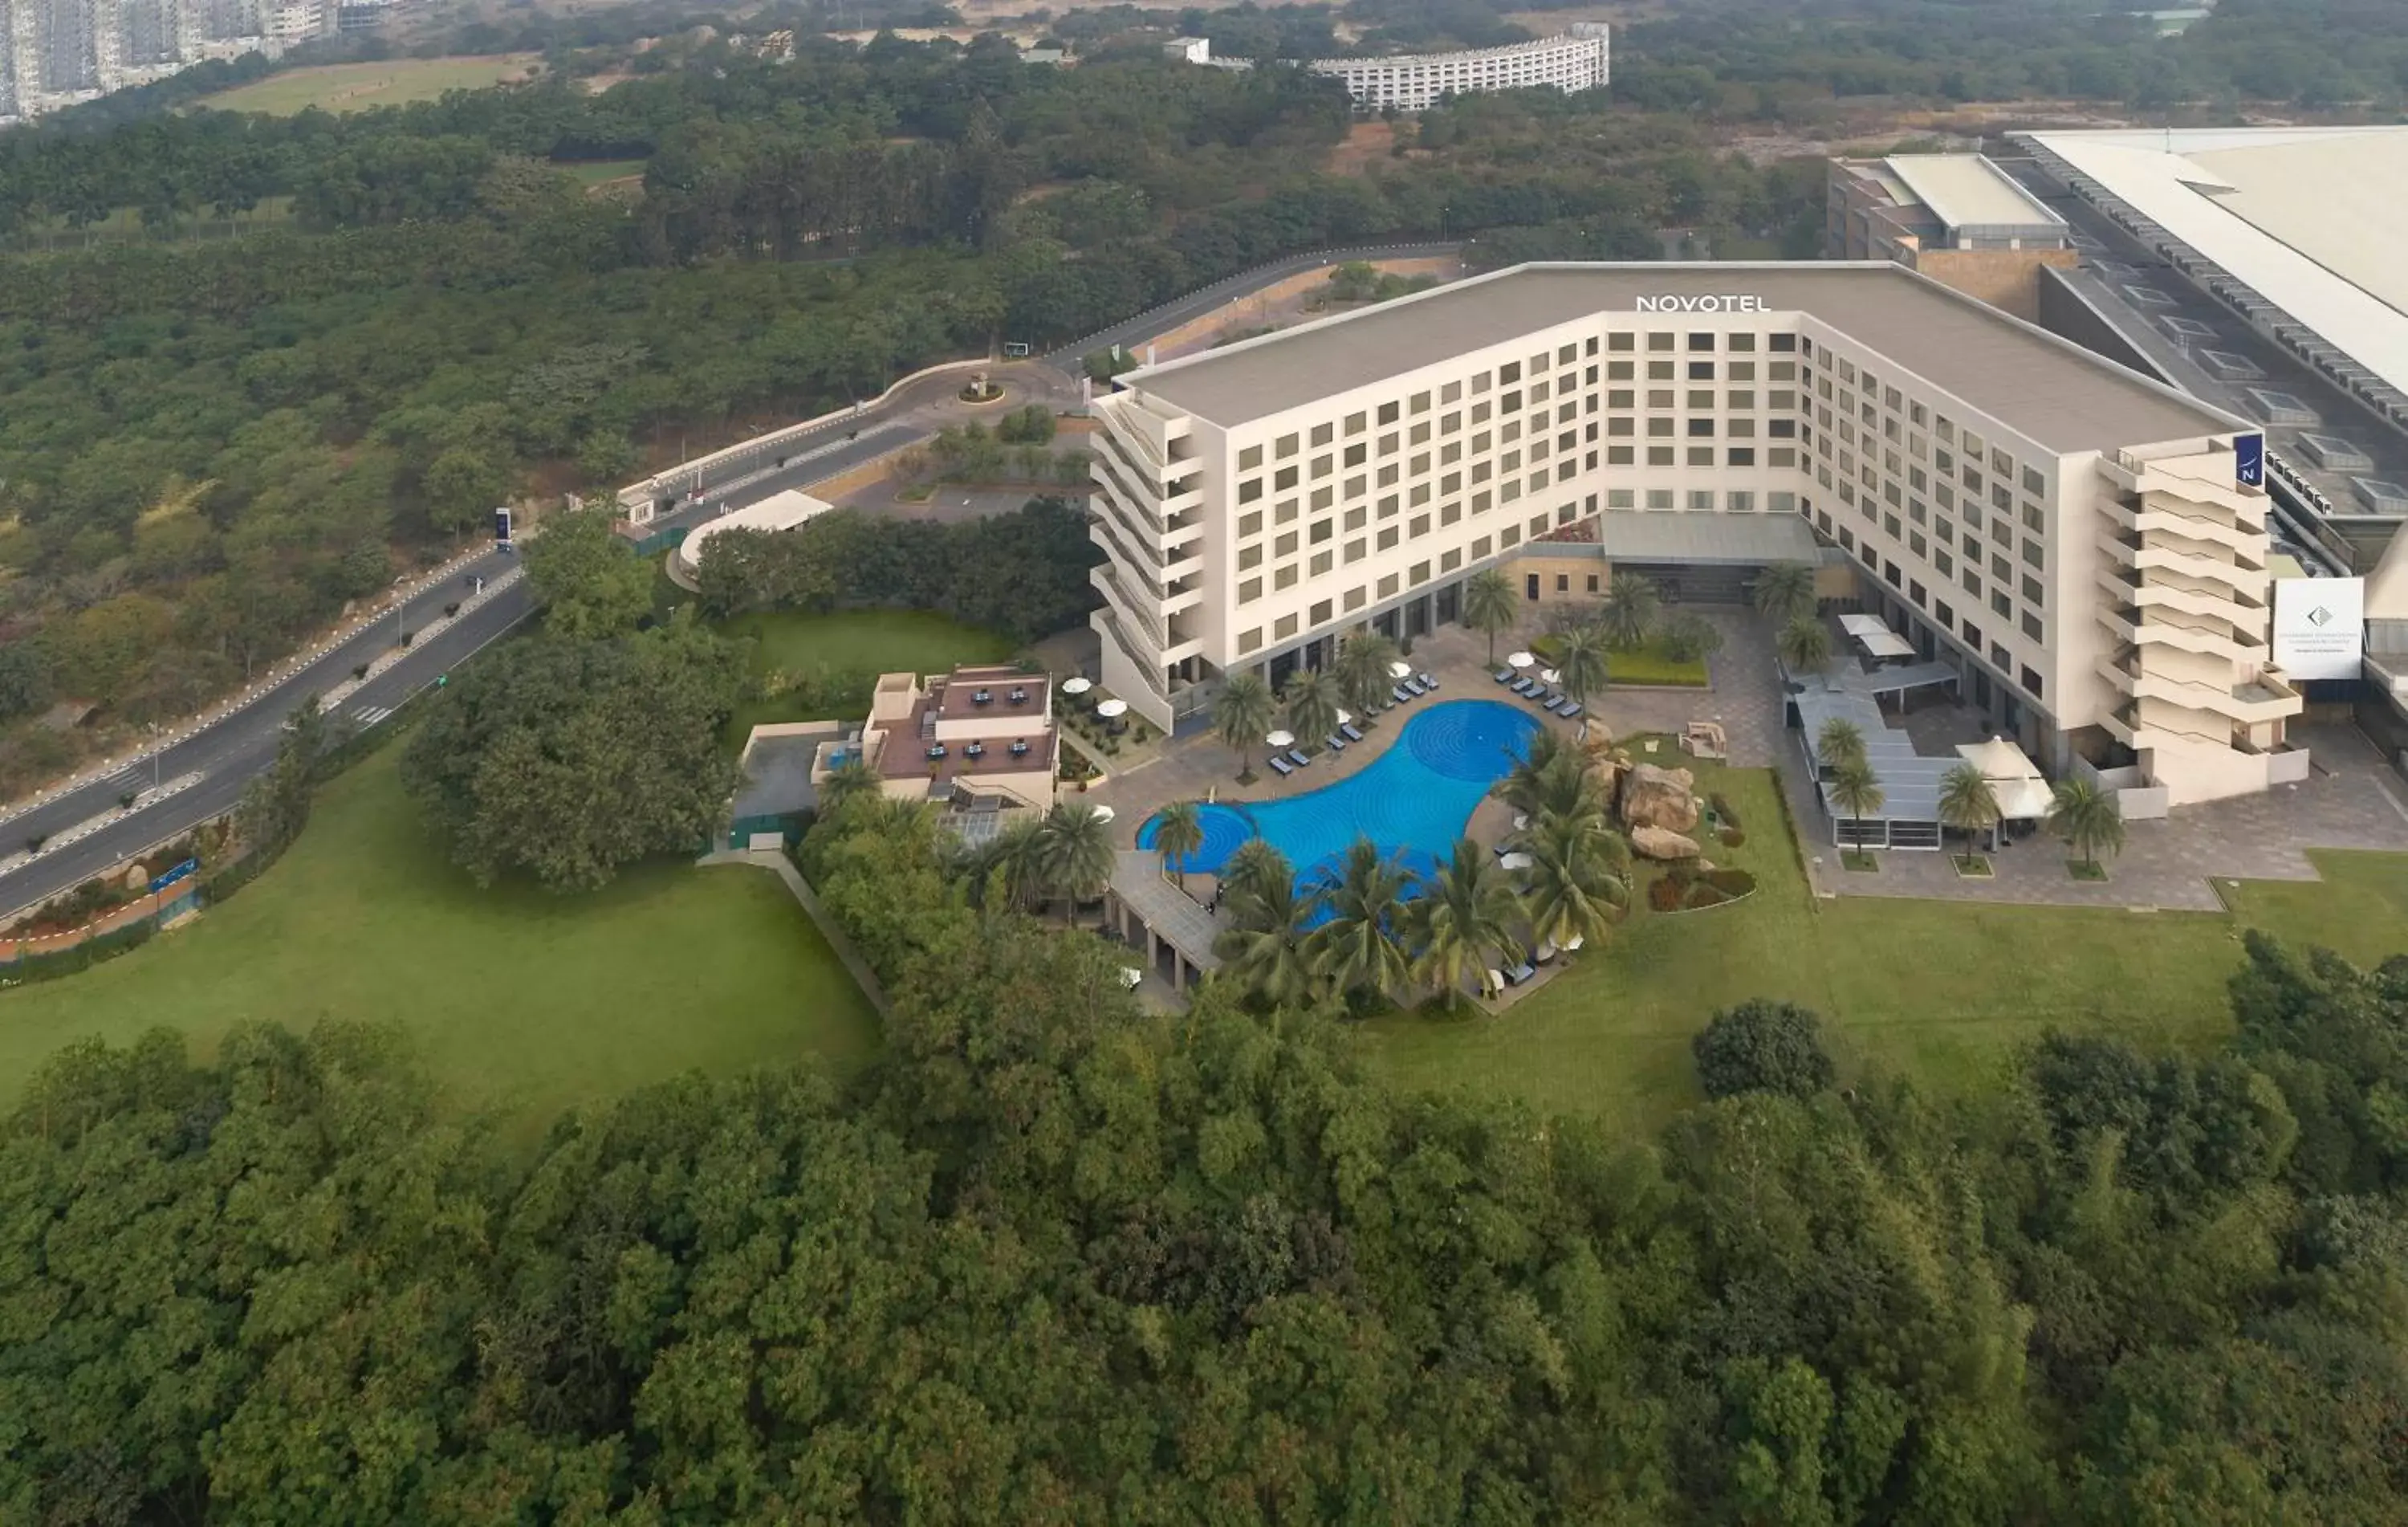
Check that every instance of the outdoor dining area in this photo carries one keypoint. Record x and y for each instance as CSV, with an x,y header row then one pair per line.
x,y
1542,691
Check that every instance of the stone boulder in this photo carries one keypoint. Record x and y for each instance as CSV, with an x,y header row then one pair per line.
x,y
1661,843
1660,797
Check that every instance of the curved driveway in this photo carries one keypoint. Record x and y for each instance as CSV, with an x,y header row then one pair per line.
x,y
84,830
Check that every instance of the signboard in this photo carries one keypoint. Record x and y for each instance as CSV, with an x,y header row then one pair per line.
x,y
183,871
1723,303
2320,626
2249,460
502,526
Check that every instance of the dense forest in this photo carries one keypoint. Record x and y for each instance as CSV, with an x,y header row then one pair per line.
x,y
1051,1259
206,449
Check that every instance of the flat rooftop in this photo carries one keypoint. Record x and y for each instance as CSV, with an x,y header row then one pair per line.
x,y
2052,391
2310,218
1965,190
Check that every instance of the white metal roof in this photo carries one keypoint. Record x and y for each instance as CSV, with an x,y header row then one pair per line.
x,y
2314,218
1965,190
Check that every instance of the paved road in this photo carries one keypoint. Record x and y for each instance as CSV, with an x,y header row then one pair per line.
x,y
85,831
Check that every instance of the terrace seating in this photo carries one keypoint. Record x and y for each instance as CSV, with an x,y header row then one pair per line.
x,y
1428,681
1571,709
1521,973
1281,766
1017,697
1416,686
1527,687
1020,747
1334,743
1401,694
1503,675
1352,735
974,750
982,697
1296,757
935,750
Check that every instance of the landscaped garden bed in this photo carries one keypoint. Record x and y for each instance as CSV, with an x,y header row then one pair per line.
x,y
1686,889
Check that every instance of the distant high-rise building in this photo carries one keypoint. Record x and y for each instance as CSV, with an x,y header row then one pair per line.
x,y
55,53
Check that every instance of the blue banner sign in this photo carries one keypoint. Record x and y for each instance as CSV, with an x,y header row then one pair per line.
x,y
159,883
2249,460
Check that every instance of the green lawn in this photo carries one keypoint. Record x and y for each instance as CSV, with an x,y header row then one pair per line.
x,y
516,996
1647,664
356,87
598,171
853,641
1941,991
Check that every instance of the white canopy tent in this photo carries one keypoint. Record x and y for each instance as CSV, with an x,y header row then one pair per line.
x,y
2023,791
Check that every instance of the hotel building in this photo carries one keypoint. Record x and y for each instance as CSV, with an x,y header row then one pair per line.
x,y
2076,540
1577,60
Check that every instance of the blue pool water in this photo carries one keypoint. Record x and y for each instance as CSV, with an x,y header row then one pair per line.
x,y
1413,800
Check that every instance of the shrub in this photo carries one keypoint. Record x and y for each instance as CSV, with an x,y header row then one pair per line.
x,y
1665,895
1722,809
1733,838
1762,1046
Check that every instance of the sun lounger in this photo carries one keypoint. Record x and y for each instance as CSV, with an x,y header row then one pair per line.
x,y
1525,687
1295,756
1520,974
1503,675
1413,686
1352,735
1401,693
1281,766
1569,711
1554,704
1334,743
1430,681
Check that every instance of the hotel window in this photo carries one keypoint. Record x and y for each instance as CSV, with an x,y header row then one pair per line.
x,y
1509,535
1566,353
1451,392
1661,456
1701,397
1480,382
1480,548
1249,640
1450,561
1740,371
1624,340
2001,605
2032,629
1388,475
1250,524
1620,372
1355,549
2032,554
1323,498
1781,343
1701,370
1782,429
1538,524
1286,446
2032,592
1659,371
1387,415
1285,545
1420,433
1323,433
1356,453
1388,538
1320,611
2033,519
1741,455
1661,341
1250,490
1356,485
1250,556
1740,502
1283,577
1420,403
1914,542
1701,455
1283,627
1619,455
1388,585
1321,530
1250,458
1420,573
1418,525
1284,478
2031,682
1479,503
1510,371
1320,566
1659,498
1781,503
1249,590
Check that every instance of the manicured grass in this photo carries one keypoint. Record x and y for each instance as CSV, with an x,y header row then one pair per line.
x,y
598,171
356,87
863,642
1648,665
514,996
1941,991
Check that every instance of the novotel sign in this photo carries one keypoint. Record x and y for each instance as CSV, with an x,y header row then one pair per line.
x,y
1728,303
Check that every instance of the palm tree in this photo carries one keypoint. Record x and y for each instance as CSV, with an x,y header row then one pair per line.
x,y
848,781
1839,743
1242,714
1632,605
1010,866
1804,645
1785,592
1580,660
1577,882
1178,833
2087,819
1554,782
1311,704
1074,851
1464,922
1358,949
1255,865
1362,670
1266,947
1856,792
1969,804
1489,606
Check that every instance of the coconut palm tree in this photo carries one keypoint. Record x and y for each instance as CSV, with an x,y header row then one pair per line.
x,y
2087,819
1267,946
1490,607
1362,670
1311,700
1554,781
1007,870
1839,742
1359,947
1785,592
1578,881
1178,833
1074,851
1242,714
1631,608
1255,865
1969,804
1580,660
1463,922
1804,645
848,781
1856,792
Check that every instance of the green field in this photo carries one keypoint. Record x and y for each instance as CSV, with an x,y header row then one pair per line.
x,y
514,996
356,87
598,171
1647,664
1942,992
856,641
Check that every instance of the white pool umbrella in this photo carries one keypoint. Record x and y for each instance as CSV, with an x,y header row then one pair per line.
x,y
1102,814
1077,686
1400,670
1514,862
1519,659
1549,675
1345,717
1113,708
1282,739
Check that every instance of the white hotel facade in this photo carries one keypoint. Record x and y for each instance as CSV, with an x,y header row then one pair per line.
x,y
1577,60
2072,537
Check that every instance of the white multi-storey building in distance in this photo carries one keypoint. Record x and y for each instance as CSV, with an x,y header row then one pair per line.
x,y
2085,548
56,52
1577,60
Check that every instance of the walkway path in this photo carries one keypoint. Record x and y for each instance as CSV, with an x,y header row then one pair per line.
x,y
775,859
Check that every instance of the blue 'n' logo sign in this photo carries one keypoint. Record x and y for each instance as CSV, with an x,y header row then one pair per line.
x,y
2249,460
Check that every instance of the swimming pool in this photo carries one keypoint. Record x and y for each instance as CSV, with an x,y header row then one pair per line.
x,y
1413,799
